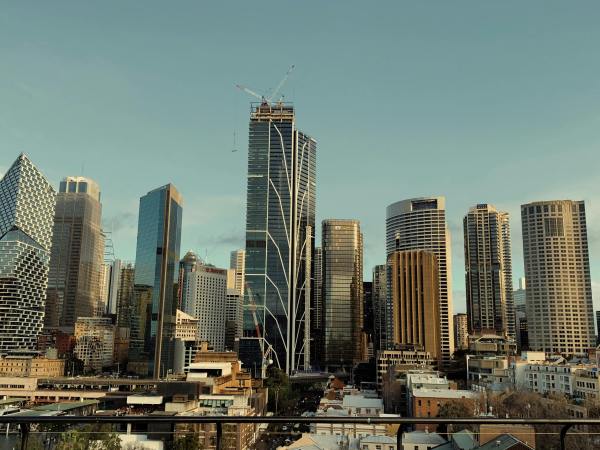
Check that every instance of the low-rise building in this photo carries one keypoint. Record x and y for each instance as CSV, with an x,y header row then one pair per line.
x,y
493,373
410,357
587,384
427,402
419,440
25,363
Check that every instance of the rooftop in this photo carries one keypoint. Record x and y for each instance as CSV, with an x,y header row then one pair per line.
x,y
443,393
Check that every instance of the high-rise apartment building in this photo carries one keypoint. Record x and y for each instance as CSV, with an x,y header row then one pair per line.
x,y
74,280
461,332
414,294
342,245
156,259
27,203
559,293
381,327
237,263
420,224
488,271
280,220
205,298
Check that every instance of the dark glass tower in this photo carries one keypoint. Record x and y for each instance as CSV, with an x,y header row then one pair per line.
x,y
280,220
156,262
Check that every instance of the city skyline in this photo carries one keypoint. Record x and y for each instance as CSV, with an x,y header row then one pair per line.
x,y
504,111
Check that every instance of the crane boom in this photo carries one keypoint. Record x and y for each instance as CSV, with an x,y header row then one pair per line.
x,y
248,91
281,83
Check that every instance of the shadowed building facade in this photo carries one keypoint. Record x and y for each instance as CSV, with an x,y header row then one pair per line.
x,y
342,245
557,268
280,220
414,293
156,264
76,263
488,271
27,203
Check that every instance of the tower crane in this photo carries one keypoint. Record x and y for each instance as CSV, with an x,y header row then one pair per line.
x,y
267,99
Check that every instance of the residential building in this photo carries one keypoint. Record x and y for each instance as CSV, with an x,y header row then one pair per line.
x,y
548,377
488,270
157,254
461,331
94,342
74,280
414,294
345,342
413,357
380,308
27,203
420,224
419,440
559,293
237,263
205,298
280,221
586,385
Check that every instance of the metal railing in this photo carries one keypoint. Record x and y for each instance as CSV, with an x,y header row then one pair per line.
x,y
25,422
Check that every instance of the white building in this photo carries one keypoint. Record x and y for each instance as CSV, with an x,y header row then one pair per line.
x,y
548,377
27,203
204,296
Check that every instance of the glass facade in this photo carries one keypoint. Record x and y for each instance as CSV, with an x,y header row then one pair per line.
x,y
279,240
27,204
345,341
74,281
156,263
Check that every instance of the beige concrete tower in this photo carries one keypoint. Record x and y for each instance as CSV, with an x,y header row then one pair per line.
x,y
557,269
415,294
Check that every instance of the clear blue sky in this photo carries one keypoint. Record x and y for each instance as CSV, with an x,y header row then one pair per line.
x,y
494,102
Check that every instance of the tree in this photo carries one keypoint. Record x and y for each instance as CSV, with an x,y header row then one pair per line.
x,y
460,408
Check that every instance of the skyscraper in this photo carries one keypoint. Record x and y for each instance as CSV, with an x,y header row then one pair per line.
x,y
414,293
27,203
461,332
420,224
488,271
205,299
342,245
237,263
519,297
74,280
156,259
109,285
280,220
316,318
559,293
380,308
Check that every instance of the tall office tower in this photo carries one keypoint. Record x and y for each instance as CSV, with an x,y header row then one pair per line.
x,y
205,297
316,318
188,265
156,258
557,269
488,271
234,319
237,263
414,293
110,276
126,309
280,220
519,297
342,245
26,212
368,321
461,332
77,254
420,224
380,308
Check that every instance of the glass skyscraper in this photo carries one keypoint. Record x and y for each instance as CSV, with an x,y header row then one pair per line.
x,y
27,203
345,343
156,263
280,221
74,281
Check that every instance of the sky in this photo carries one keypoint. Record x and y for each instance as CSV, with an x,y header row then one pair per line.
x,y
481,102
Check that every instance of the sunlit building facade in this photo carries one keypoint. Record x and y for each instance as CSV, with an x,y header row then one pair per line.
x,y
27,203
345,343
